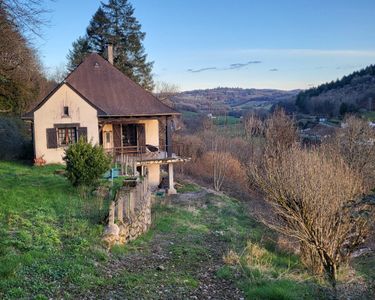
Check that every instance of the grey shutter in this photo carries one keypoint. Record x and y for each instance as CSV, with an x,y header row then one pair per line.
x,y
82,132
51,138
141,135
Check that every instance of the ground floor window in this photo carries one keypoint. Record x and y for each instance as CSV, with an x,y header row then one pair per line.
x,y
66,136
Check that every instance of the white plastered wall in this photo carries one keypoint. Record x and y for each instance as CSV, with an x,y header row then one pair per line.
x,y
152,138
153,175
152,131
51,112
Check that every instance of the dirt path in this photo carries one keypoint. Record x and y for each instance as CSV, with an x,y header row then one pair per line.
x,y
171,265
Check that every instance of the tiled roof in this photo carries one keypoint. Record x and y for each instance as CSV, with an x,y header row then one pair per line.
x,y
110,91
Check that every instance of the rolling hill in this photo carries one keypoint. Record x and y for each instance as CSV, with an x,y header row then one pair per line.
x,y
236,101
352,93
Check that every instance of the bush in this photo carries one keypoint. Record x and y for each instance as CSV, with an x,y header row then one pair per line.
x,y
85,163
315,196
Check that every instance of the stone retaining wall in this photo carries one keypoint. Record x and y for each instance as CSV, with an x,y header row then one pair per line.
x,y
129,214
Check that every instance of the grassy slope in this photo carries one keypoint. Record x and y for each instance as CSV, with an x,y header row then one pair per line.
x,y
47,243
50,248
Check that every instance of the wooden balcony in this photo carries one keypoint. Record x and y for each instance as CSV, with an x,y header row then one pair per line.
x,y
148,154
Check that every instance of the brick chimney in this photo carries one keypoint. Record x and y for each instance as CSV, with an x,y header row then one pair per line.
x,y
110,53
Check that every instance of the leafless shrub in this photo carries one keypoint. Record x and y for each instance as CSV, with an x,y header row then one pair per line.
x,y
214,159
315,199
253,126
190,146
207,124
280,133
219,169
243,150
356,143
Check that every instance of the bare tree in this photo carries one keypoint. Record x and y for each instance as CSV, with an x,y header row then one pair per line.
x,y
27,15
280,133
219,171
316,200
356,143
165,92
58,74
253,126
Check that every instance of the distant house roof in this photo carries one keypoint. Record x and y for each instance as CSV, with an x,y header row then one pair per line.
x,y
110,91
321,130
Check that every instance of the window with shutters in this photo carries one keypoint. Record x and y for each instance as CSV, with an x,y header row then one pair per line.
x,y
66,136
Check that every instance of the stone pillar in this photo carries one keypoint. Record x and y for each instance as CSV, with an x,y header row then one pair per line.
x,y
153,175
132,200
111,217
171,189
120,209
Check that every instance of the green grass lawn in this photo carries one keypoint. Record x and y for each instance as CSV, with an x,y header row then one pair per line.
x,y
50,246
226,120
189,114
48,240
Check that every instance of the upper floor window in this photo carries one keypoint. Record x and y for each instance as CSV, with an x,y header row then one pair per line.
x,y
66,111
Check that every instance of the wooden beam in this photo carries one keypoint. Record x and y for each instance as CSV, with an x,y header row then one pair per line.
x,y
125,120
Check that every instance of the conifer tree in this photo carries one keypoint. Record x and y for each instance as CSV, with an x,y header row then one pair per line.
x,y
114,23
98,31
81,48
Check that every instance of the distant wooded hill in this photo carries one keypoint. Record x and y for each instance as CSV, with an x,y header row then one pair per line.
x,y
352,93
235,101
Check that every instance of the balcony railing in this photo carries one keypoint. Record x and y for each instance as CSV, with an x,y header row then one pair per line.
x,y
145,153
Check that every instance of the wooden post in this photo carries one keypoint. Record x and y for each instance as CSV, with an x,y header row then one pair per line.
x,y
168,130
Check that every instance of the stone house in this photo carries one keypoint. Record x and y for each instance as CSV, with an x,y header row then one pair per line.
x,y
99,102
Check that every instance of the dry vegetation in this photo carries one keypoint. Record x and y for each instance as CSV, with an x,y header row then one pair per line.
x,y
315,192
316,201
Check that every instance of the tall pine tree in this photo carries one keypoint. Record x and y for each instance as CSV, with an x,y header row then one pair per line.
x,y
81,48
98,31
114,23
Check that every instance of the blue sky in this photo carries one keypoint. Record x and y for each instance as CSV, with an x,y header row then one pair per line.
x,y
284,44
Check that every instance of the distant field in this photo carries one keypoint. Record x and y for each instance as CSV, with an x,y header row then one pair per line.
x,y
189,114
369,115
226,120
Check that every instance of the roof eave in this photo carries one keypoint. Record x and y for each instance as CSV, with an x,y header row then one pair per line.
x,y
140,115
27,118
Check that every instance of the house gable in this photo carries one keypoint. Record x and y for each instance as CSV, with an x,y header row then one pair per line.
x,y
64,108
